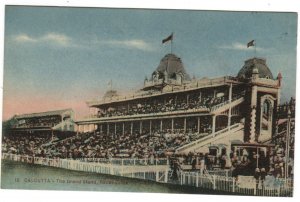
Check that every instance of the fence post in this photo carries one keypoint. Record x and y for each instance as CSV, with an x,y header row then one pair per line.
x,y
180,178
122,168
197,179
166,175
214,181
157,176
233,184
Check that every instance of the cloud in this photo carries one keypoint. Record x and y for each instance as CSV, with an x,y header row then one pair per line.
x,y
51,38
63,40
59,39
23,38
239,46
131,44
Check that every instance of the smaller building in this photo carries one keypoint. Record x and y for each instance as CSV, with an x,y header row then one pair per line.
x,y
43,122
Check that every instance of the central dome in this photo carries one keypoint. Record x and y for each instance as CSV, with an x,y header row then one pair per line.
x,y
172,65
259,64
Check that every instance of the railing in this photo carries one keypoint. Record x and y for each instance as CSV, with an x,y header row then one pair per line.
x,y
206,180
231,185
155,172
128,161
195,110
212,135
190,86
233,101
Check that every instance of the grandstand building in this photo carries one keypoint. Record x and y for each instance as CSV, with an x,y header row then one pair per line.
x,y
58,122
208,111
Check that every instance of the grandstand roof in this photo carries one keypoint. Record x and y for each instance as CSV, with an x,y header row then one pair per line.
x,y
172,64
259,64
41,114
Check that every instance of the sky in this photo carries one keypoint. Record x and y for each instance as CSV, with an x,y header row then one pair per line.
x,y
60,57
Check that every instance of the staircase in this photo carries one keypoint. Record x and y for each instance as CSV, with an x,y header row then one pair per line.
x,y
210,138
226,105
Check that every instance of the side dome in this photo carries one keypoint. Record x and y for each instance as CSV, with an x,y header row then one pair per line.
x,y
253,64
110,94
172,65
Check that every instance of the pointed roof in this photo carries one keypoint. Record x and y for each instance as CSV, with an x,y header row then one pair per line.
x,y
172,64
255,63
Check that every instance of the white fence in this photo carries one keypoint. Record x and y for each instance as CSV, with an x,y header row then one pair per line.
x,y
158,171
231,185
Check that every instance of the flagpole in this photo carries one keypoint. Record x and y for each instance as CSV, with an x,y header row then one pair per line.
x,y
255,48
171,46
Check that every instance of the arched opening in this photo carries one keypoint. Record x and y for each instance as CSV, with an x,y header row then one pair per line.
x,y
266,115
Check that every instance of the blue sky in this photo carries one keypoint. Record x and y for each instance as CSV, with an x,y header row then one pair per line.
x,y
61,57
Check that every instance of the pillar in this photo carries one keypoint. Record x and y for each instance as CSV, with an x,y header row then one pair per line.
x,y
253,114
107,128
200,95
161,125
198,125
230,107
123,128
150,125
131,128
115,128
172,127
141,127
101,128
187,99
213,127
184,124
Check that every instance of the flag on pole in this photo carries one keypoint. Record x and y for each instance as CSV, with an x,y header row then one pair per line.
x,y
250,43
169,38
110,84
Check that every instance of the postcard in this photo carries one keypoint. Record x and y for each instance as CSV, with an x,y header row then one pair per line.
x,y
149,100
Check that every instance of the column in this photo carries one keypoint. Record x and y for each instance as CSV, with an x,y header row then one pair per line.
x,y
115,128
123,128
101,128
131,128
184,124
150,127
198,128
215,92
141,127
200,95
213,127
230,107
161,125
172,127
187,99
107,129
253,114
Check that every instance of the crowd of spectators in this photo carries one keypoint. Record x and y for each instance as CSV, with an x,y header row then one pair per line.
x,y
157,145
24,144
47,121
170,105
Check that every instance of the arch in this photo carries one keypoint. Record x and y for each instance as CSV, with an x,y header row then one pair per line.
x,y
266,117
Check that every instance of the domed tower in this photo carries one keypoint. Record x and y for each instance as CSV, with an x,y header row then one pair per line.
x,y
170,71
262,98
257,64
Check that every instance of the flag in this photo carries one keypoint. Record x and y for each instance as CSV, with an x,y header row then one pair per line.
x,y
169,38
251,43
